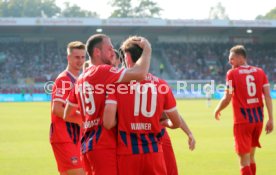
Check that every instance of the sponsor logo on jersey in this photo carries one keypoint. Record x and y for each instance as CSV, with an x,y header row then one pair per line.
x,y
60,92
74,160
114,70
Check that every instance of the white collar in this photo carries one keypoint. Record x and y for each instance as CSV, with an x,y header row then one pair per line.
x,y
72,74
245,66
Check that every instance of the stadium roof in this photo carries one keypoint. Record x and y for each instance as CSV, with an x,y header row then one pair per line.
x,y
150,22
148,27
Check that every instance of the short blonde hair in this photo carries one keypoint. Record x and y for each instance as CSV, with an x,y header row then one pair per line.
x,y
75,45
239,50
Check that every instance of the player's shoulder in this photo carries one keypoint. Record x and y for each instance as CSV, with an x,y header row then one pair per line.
x,y
154,79
108,69
162,81
258,68
230,71
63,76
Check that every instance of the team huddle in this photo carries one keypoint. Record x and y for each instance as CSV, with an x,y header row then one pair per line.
x,y
110,120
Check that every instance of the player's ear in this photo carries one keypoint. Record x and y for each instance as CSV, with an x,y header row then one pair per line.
x,y
96,52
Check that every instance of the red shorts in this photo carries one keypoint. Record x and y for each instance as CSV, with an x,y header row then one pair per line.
x,y
169,155
247,136
101,162
67,156
86,165
150,163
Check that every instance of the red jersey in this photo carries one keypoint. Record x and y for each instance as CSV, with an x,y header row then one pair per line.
x,y
62,131
89,95
246,83
139,111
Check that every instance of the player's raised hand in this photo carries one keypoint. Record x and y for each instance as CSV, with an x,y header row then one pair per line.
x,y
142,42
217,115
191,142
269,126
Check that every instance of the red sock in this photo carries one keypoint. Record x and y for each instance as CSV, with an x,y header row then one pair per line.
x,y
246,171
253,168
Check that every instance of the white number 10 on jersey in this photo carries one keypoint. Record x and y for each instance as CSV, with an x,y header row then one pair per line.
x,y
144,93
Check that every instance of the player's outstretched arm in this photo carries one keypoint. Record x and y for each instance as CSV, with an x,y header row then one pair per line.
x,y
268,101
188,132
174,120
141,67
165,121
224,102
109,116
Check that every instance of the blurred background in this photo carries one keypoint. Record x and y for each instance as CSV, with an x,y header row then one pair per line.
x,y
190,39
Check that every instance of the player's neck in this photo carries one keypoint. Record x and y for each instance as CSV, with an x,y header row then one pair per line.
x,y
97,62
73,71
244,64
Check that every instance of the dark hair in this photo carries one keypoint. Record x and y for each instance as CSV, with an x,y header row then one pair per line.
x,y
92,42
134,50
239,50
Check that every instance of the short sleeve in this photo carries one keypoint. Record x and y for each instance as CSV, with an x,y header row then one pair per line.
x,y
170,102
230,81
265,80
72,98
61,90
111,98
112,74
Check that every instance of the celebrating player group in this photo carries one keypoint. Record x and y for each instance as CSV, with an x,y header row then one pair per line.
x,y
113,120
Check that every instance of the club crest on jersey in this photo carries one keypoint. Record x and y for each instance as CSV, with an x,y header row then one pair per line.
x,y
74,160
60,92
114,70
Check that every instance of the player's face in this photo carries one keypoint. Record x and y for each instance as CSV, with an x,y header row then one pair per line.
x,y
107,52
76,59
233,60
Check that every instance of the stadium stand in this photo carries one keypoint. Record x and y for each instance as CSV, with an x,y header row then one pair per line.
x,y
32,50
210,60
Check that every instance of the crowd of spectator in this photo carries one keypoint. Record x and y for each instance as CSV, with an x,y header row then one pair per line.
x,y
201,61
24,65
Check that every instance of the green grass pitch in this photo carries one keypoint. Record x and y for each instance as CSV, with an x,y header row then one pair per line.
x,y
25,148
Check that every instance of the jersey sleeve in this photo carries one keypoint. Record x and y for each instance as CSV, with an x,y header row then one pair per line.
x,y
112,74
230,81
61,90
111,98
170,102
265,80
72,98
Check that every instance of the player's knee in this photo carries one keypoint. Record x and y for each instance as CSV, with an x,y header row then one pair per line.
x,y
244,159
